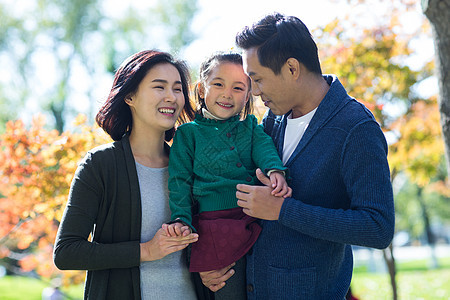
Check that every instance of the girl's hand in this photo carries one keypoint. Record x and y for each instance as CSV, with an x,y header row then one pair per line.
x,y
162,244
176,229
279,185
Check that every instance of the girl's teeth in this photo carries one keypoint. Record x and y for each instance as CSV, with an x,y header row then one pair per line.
x,y
226,105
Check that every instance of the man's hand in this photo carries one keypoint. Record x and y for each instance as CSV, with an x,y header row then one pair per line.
x,y
258,201
215,280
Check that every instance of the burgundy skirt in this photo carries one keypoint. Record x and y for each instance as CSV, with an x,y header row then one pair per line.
x,y
224,237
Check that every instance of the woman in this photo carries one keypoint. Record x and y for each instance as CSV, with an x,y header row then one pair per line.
x,y
119,192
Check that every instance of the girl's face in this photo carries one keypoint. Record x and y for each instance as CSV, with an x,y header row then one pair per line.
x,y
159,99
226,90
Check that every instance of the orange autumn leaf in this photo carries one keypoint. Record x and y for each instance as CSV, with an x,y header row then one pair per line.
x,y
36,168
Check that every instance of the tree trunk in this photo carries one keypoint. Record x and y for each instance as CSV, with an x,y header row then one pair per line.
x,y
438,12
388,255
57,112
428,232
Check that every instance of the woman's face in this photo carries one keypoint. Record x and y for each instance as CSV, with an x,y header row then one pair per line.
x,y
159,99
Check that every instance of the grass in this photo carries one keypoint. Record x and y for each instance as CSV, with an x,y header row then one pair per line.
x,y
20,288
430,284
414,281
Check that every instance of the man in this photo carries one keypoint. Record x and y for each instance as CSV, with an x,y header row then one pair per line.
x,y
336,155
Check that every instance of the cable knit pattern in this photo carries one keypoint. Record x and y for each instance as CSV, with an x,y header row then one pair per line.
x,y
209,158
342,196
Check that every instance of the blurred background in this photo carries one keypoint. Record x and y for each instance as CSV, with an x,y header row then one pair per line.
x,y
57,60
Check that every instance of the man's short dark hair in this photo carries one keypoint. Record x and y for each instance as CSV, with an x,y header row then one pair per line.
x,y
279,38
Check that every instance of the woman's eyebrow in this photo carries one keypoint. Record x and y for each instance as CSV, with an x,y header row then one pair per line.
x,y
165,81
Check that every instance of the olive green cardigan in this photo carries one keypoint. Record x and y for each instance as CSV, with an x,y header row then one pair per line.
x,y
104,200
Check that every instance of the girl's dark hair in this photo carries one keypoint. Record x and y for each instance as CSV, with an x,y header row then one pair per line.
x,y
205,70
279,38
115,115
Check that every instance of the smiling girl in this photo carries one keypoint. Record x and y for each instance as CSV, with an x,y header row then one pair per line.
x,y
221,148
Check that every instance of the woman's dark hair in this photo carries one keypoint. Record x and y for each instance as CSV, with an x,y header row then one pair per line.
x,y
115,115
279,38
205,70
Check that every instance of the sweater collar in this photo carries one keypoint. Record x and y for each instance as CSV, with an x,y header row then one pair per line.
x,y
201,119
331,104
209,115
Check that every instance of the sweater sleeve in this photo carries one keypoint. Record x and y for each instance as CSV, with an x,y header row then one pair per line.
x,y
264,153
181,176
73,250
365,173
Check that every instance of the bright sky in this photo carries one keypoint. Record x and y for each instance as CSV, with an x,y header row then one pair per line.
x,y
217,23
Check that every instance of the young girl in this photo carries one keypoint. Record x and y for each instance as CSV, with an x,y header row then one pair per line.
x,y
221,148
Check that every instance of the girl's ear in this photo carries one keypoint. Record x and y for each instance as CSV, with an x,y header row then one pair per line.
x,y
201,90
249,93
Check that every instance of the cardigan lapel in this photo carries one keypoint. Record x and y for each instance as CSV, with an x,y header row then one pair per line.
x,y
135,193
279,136
333,101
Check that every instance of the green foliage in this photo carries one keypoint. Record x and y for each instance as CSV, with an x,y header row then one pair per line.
x,y
56,48
409,214
177,15
370,64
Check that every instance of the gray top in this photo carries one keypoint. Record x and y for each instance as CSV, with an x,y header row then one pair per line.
x,y
166,278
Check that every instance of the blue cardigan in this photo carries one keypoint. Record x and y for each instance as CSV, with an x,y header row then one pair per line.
x,y
342,196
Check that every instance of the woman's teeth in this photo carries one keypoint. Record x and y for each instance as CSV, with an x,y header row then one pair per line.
x,y
166,110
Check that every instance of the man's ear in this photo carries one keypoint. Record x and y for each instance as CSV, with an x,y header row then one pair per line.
x,y
293,67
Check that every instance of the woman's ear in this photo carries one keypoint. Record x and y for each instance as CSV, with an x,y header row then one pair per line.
x,y
128,100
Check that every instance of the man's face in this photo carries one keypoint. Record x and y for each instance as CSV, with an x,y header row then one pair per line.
x,y
272,88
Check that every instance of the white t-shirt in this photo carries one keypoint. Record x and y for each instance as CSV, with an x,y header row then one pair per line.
x,y
295,129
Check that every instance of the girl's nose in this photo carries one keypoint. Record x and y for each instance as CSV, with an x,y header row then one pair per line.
x,y
227,93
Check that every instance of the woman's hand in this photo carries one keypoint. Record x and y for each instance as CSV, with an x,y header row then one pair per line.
x,y
162,244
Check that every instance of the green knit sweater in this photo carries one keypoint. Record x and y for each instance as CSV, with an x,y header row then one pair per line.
x,y
209,158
